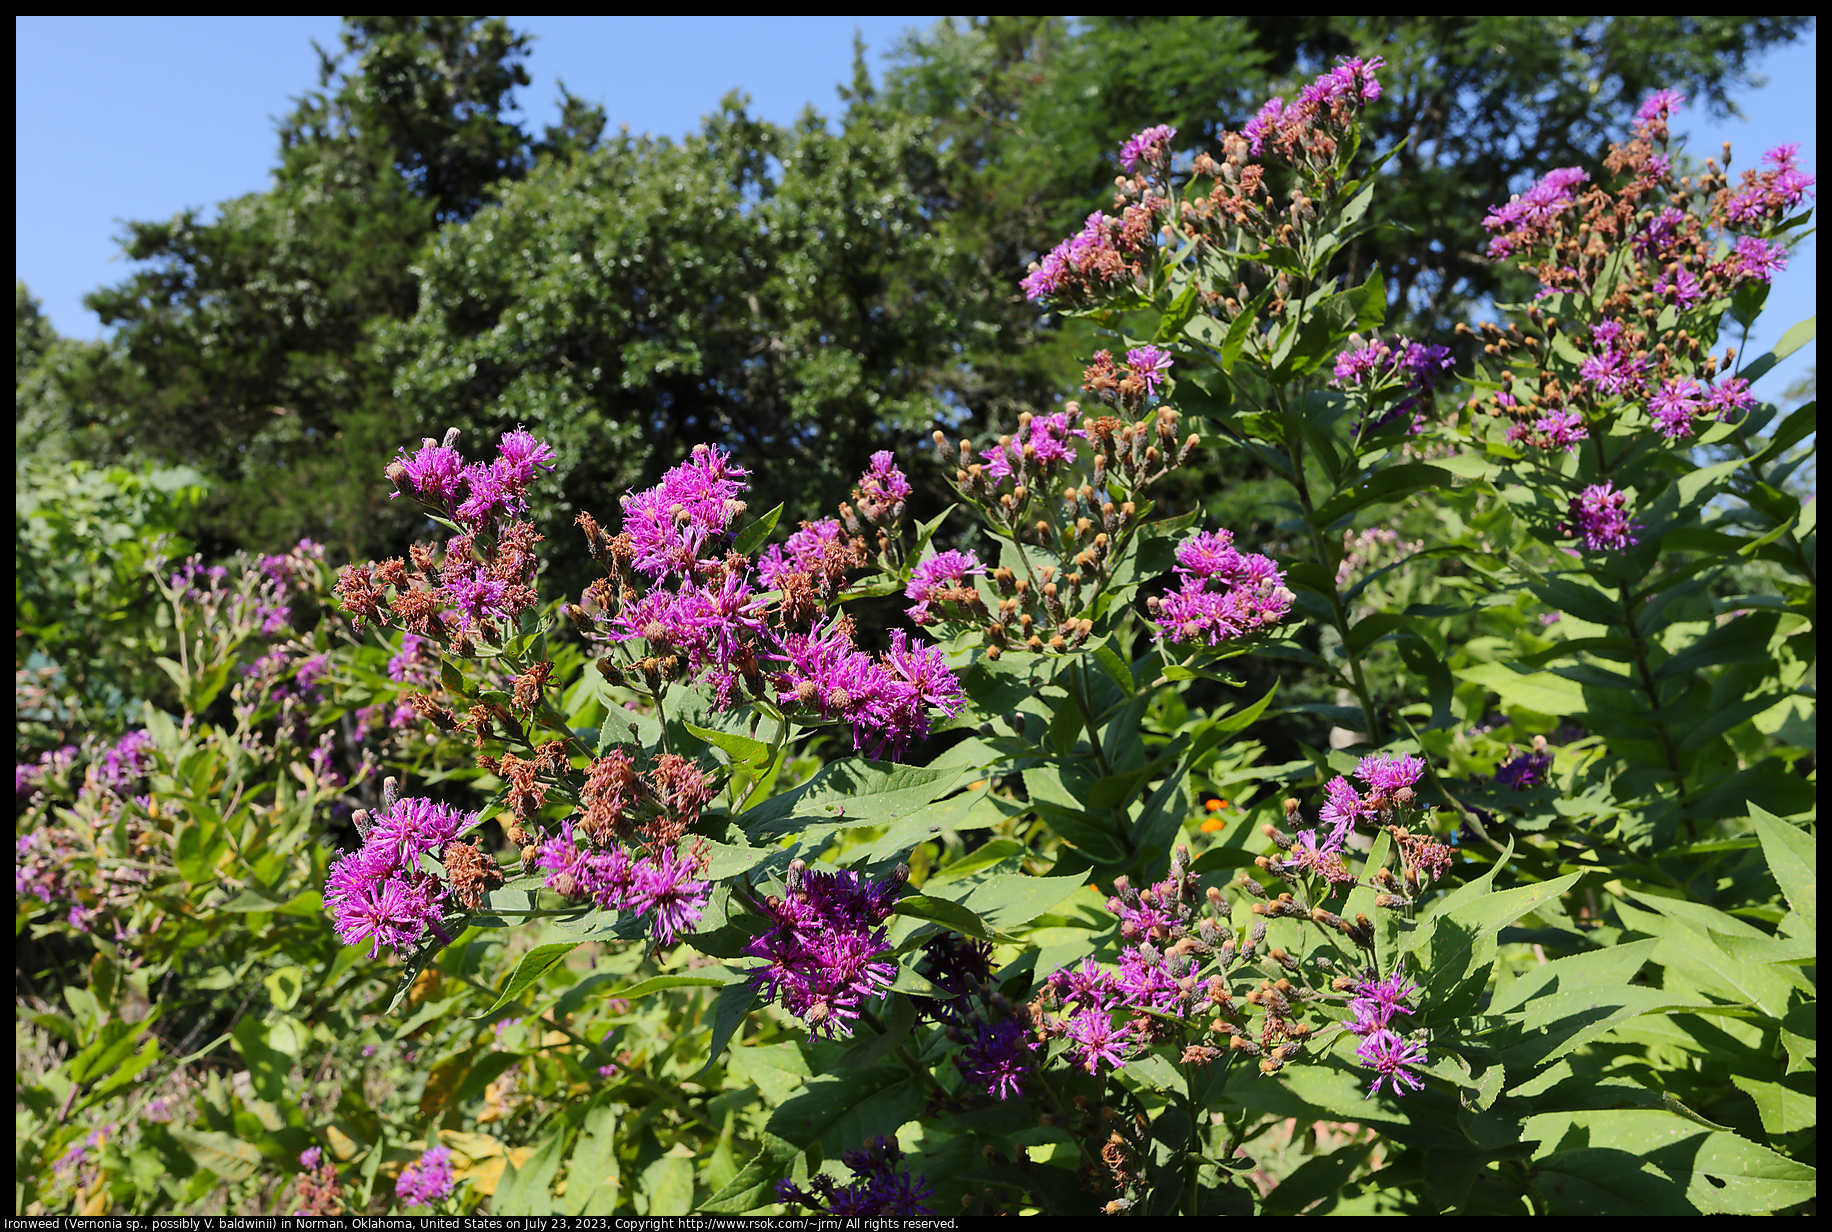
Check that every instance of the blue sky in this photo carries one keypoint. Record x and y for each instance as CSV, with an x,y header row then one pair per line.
x,y
139,117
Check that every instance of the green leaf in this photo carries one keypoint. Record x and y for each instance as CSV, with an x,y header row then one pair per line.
x,y
841,1110
1178,314
1391,484
941,911
1115,669
744,751
1543,692
224,1154
1008,900
755,1184
1457,945
528,1190
752,537
661,983
592,1174
1796,337
862,792
1718,1172
733,1006
1793,858
1783,1109
534,964
268,1067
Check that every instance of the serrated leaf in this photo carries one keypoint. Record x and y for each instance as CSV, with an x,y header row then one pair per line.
x,y
1793,858
744,751
755,1184
227,1156
1783,1109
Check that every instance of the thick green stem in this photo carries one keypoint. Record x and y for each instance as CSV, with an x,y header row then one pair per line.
x,y
1651,691
1294,451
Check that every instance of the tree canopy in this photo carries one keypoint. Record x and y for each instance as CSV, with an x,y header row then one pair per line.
x,y
807,293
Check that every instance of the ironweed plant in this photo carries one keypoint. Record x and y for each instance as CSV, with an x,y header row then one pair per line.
x,y
697,892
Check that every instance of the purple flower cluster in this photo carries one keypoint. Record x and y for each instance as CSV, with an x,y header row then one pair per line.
x,y
937,576
473,494
1674,406
1528,217
1771,191
1100,255
30,778
882,490
1157,973
1613,369
1383,1049
1556,428
1333,99
1754,260
427,1179
1524,771
1387,774
1600,517
1040,448
39,860
878,1187
1148,365
1150,146
379,893
886,699
1412,368
1225,594
995,1059
123,766
826,950
806,552
675,524
611,878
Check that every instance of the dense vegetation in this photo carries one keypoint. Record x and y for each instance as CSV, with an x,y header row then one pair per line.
x,y
1257,736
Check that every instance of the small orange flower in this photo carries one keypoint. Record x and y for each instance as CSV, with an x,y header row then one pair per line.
x,y
1212,824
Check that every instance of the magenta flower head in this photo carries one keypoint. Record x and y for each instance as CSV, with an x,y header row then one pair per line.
x,y
882,489
1149,364
826,949
1097,1041
995,1059
1394,1058
1376,1001
936,574
667,888
427,1179
517,457
1226,594
435,473
1755,260
1659,106
1600,517
1385,773
1149,146
1674,406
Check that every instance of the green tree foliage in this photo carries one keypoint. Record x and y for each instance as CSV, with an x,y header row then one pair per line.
x,y
247,338
781,291
248,334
